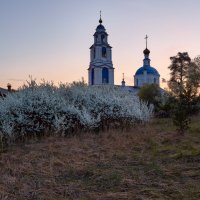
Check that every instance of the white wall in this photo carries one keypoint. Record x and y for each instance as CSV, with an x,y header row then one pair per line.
x,y
145,79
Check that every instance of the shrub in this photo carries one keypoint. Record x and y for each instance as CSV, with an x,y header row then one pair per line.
x,y
38,109
150,93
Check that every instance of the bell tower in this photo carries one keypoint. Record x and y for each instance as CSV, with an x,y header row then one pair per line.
x,y
100,71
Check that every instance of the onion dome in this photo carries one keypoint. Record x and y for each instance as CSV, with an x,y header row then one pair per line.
x,y
148,69
100,27
146,51
100,20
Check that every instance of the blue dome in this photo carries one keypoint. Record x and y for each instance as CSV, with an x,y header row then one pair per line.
x,y
149,69
100,27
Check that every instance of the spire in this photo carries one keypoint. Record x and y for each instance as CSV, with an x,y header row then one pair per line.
x,y
100,20
123,82
146,51
146,38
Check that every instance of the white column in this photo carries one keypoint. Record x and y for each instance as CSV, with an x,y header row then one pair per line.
x,y
98,76
98,53
91,54
109,54
111,76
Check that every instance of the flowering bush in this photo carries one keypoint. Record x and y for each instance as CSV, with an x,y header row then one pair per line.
x,y
44,108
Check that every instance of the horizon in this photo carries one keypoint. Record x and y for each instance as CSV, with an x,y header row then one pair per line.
x,y
50,39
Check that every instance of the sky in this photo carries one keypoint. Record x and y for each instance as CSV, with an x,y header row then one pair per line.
x,y
50,39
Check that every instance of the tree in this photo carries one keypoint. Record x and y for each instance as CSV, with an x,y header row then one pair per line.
x,y
184,83
151,94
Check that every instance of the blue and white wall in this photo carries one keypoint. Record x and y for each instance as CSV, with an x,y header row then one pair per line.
x,y
101,71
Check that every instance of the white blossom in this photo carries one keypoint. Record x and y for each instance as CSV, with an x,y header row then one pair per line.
x,y
38,108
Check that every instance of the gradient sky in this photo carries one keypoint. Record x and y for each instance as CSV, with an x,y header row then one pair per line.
x,y
50,39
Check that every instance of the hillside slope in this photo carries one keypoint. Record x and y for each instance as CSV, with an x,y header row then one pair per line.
x,y
147,162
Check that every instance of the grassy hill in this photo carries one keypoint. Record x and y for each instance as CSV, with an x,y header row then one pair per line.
x,y
147,162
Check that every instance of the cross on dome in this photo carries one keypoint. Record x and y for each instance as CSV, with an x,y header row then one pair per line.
x,y
146,38
123,82
146,51
100,20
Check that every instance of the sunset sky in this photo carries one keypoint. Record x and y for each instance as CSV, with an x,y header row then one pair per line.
x,y
50,39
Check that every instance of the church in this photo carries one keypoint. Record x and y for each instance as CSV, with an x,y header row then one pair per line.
x,y
101,70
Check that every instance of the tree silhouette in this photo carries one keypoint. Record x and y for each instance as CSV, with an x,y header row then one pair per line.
x,y
184,84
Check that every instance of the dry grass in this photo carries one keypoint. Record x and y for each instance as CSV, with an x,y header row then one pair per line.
x,y
148,162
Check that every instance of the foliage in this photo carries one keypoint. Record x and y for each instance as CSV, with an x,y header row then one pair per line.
x,y
184,84
38,109
150,93
160,99
185,76
166,103
180,117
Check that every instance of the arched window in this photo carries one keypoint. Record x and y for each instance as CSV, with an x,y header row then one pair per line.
x,y
92,76
105,75
102,38
154,80
104,52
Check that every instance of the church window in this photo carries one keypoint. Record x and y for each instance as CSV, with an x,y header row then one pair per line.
x,y
92,76
102,38
104,52
154,80
105,75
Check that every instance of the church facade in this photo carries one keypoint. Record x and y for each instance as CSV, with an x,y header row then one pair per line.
x,y
146,74
101,70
